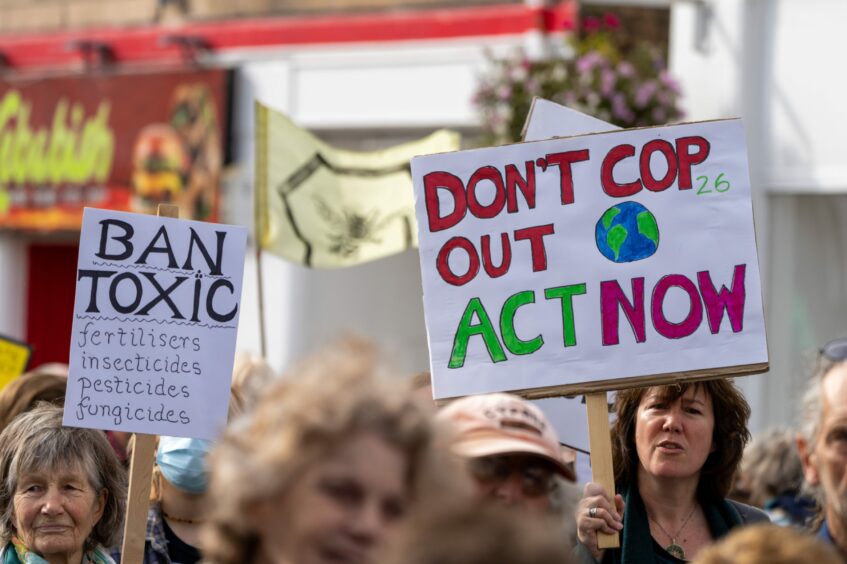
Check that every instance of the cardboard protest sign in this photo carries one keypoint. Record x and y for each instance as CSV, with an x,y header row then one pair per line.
x,y
155,320
590,263
548,119
14,358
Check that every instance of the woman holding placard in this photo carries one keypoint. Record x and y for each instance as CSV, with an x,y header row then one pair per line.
x,y
62,491
324,469
675,450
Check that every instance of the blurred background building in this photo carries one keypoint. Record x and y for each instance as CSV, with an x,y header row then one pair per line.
x,y
121,81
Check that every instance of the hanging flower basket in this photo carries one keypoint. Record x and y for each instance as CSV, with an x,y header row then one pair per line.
x,y
629,88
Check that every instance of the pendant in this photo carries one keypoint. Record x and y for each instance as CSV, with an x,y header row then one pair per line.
x,y
675,550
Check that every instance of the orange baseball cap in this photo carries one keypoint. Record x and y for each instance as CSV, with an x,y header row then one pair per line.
x,y
497,424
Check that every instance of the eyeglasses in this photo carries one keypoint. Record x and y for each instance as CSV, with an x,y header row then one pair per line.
x,y
836,350
537,476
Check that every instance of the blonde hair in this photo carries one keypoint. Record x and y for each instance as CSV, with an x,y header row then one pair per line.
x,y
331,397
768,544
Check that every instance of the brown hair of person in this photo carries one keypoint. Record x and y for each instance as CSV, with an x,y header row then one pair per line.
x,y
730,435
23,393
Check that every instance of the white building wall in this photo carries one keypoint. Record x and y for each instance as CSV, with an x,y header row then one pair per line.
x,y
771,62
13,274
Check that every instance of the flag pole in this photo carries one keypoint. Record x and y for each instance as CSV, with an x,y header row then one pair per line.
x,y
262,340
260,186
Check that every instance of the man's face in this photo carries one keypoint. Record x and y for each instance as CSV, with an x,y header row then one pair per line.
x,y
515,480
825,462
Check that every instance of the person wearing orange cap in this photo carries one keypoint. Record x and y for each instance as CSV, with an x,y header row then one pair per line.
x,y
513,453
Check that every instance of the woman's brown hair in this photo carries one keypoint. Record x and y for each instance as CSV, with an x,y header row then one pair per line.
x,y
23,393
729,437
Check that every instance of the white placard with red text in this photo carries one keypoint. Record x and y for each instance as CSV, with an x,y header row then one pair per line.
x,y
606,256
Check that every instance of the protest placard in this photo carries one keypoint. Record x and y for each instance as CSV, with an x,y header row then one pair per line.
x,y
590,263
14,358
155,320
547,119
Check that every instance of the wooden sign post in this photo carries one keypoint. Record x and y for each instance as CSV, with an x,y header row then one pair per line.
x,y
602,471
140,475
138,498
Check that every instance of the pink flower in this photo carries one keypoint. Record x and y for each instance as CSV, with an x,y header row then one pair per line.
x,y
611,21
588,61
620,110
607,82
591,24
644,93
626,70
669,81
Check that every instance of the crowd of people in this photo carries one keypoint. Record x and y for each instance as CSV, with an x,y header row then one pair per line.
x,y
340,461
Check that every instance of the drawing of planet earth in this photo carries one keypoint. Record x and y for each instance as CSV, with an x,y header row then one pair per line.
x,y
627,232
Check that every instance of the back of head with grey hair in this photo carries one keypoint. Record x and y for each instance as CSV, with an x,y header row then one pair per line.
x,y
36,441
771,466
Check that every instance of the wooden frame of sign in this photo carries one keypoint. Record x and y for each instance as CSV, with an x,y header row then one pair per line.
x,y
603,386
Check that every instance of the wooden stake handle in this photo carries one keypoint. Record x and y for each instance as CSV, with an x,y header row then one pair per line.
x,y
602,470
138,499
167,210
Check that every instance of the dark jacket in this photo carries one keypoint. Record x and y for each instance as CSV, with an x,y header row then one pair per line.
x,y
637,544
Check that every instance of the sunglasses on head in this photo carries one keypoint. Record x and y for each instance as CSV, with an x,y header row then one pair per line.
x,y
537,476
835,350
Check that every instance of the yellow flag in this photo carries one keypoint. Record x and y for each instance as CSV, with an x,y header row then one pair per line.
x,y
14,357
328,208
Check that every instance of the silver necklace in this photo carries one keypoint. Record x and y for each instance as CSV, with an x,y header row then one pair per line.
x,y
673,548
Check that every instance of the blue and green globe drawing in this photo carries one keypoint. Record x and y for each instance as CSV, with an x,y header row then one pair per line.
x,y
627,232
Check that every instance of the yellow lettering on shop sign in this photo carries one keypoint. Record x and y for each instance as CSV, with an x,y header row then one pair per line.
x,y
76,149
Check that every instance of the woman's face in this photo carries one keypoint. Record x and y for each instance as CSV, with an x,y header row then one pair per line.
x,y
674,439
56,510
340,509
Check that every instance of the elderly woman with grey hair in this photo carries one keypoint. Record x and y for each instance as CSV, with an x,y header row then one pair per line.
x,y
62,491
771,477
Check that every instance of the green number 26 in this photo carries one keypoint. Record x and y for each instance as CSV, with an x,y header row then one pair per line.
x,y
721,185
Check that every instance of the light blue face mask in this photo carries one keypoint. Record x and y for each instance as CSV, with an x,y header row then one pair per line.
x,y
183,462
